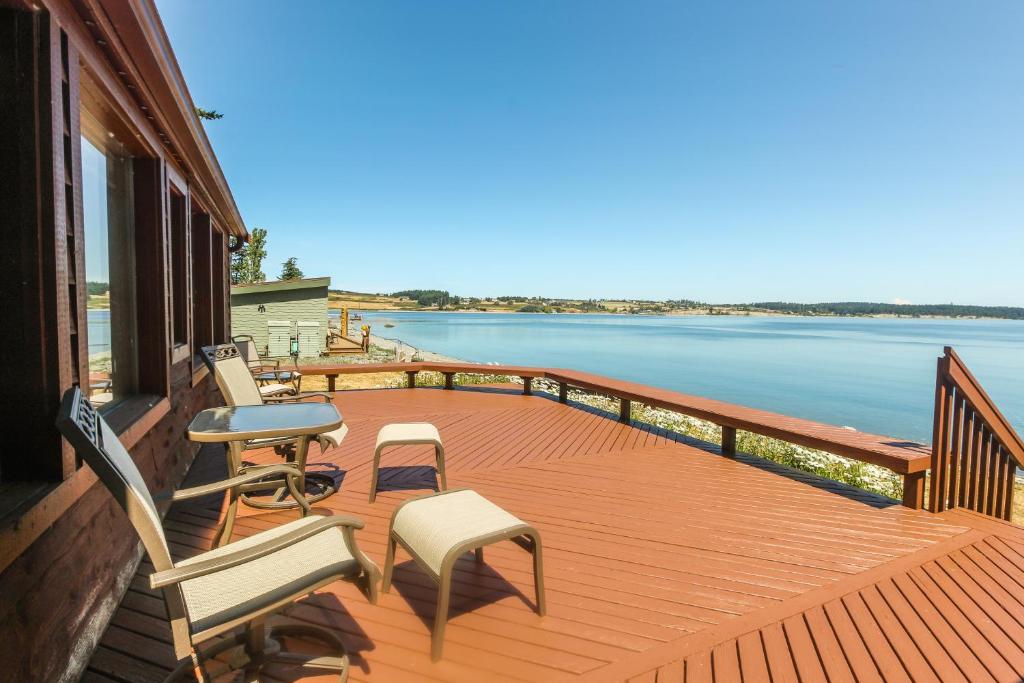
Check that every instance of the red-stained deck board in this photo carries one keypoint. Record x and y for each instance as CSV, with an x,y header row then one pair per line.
x,y
663,562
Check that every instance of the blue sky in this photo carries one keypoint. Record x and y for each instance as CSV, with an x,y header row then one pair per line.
x,y
727,152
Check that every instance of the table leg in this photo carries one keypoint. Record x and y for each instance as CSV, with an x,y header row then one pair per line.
x,y
223,535
301,450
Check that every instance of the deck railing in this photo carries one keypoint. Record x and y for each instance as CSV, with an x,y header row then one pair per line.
x,y
908,459
975,451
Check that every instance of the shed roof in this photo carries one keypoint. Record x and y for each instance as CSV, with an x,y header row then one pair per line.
x,y
281,285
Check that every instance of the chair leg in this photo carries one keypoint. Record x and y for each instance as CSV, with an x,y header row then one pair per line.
x,y
479,555
373,475
538,576
441,617
255,644
223,535
439,456
389,565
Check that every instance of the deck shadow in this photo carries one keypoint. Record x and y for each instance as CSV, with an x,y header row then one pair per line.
x,y
407,478
324,609
420,593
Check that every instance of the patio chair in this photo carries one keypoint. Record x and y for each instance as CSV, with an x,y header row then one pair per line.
x,y
239,388
241,584
272,380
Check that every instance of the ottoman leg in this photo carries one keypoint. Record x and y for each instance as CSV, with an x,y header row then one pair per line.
x,y
441,618
439,456
479,552
538,575
389,565
373,475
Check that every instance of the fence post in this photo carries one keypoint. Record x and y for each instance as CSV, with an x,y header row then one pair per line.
x,y
563,392
331,381
448,377
527,386
728,441
625,405
913,490
411,378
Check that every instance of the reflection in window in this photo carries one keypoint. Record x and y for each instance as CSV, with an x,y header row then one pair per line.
x,y
109,267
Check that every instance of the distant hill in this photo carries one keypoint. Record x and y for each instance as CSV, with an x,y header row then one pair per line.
x,y
862,308
439,299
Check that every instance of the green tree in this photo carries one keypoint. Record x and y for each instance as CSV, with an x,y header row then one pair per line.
x,y
290,270
247,262
208,114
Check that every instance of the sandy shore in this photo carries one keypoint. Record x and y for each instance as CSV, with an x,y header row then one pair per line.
x,y
401,349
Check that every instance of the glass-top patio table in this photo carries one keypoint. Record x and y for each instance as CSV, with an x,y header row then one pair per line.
x,y
239,426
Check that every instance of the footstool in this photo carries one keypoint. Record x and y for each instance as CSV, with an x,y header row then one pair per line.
x,y
436,529
405,434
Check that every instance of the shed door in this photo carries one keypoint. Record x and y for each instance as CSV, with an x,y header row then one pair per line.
x,y
309,338
279,337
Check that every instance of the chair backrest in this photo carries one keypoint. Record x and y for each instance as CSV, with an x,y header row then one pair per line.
x,y
96,443
236,383
247,347
94,440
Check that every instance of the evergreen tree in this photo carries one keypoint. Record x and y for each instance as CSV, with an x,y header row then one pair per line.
x,y
290,270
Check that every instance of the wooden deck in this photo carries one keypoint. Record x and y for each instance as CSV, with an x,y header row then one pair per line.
x,y
664,561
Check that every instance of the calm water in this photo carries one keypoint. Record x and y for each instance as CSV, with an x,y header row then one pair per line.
x,y
876,375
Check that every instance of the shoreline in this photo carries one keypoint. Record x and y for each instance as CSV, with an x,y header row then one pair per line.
x,y
682,314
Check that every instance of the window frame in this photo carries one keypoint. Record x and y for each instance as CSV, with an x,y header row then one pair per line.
x,y
179,271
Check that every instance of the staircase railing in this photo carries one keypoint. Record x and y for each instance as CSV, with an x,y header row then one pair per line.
x,y
975,451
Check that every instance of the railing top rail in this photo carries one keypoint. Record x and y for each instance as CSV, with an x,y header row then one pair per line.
x,y
900,456
961,376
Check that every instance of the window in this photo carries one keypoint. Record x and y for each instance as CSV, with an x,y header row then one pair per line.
x,y
108,228
202,296
179,268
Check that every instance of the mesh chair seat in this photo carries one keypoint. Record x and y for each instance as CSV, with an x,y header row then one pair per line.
x,y
237,591
282,375
276,389
433,525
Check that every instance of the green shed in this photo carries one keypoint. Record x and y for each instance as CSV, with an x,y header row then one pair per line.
x,y
277,312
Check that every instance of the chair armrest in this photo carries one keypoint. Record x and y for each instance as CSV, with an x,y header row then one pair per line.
x,y
249,475
298,397
264,365
226,561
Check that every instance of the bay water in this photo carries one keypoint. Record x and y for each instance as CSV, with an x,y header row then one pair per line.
x,y
873,374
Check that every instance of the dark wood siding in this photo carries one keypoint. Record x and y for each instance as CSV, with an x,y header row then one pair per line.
x,y
66,549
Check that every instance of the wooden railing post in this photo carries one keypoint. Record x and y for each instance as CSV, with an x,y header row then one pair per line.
x,y
527,386
332,382
563,392
411,378
913,490
728,441
975,450
625,408
448,379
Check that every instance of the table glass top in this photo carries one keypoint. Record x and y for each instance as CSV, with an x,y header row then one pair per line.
x,y
253,422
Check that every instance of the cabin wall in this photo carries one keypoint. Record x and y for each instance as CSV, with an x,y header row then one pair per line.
x,y
58,595
67,550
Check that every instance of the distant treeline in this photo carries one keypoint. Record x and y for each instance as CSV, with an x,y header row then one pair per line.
x,y
866,308
97,288
428,297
